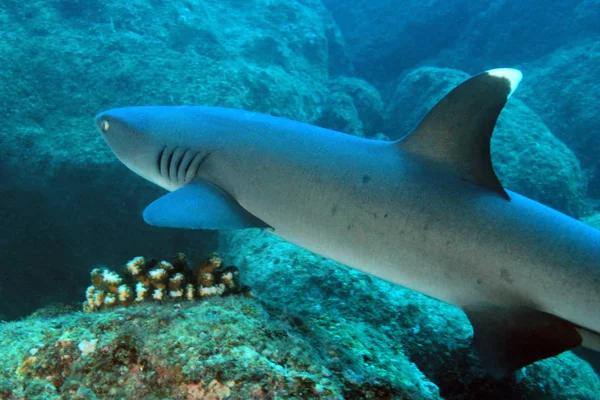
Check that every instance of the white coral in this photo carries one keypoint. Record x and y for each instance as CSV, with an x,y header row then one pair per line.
x,y
167,266
211,291
189,291
125,293
110,299
141,292
87,347
158,294
111,278
227,279
157,274
135,266
99,298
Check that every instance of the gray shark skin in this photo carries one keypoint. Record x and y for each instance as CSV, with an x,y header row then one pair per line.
x,y
426,212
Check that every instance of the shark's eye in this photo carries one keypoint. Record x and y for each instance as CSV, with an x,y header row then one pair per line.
x,y
104,125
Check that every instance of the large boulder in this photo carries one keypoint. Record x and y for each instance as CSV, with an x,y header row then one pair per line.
x,y
527,157
66,203
563,89
218,348
353,106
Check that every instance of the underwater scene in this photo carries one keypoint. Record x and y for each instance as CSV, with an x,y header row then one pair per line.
x,y
299,199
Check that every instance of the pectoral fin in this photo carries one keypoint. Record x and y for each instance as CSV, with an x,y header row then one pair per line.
x,y
200,205
508,339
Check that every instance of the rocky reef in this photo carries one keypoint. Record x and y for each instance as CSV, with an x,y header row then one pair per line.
x,y
555,43
232,347
564,95
315,329
219,348
385,39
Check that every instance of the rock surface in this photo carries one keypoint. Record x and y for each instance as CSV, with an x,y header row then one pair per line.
x,y
353,106
563,89
220,348
198,53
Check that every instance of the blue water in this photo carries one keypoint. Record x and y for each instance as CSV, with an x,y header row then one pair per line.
x,y
370,68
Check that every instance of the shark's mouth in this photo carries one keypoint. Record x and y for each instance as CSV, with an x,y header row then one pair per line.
x,y
178,165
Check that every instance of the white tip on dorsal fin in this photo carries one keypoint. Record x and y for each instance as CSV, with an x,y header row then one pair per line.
x,y
514,76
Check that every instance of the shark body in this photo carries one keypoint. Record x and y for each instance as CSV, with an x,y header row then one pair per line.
x,y
426,212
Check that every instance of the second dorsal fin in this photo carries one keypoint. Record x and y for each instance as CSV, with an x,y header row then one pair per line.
x,y
457,131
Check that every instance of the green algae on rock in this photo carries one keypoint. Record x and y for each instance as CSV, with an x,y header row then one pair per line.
x,y
223,347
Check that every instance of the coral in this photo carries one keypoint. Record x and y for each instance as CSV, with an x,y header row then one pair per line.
x,y
106,279
87,347
146,280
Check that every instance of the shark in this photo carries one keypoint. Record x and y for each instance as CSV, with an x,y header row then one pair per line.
x,y
426,212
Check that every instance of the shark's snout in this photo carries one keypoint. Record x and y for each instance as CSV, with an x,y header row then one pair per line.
x,y
143,139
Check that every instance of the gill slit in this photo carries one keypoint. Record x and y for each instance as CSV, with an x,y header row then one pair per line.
x,y
196,168
169,161
187,168
159,160
179,164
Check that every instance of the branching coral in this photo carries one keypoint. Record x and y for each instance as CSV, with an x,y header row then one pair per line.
x,y
152,280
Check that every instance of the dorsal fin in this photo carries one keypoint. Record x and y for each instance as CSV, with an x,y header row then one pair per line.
x,y
457,131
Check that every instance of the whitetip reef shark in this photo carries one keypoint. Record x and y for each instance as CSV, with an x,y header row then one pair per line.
x,y
426,212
